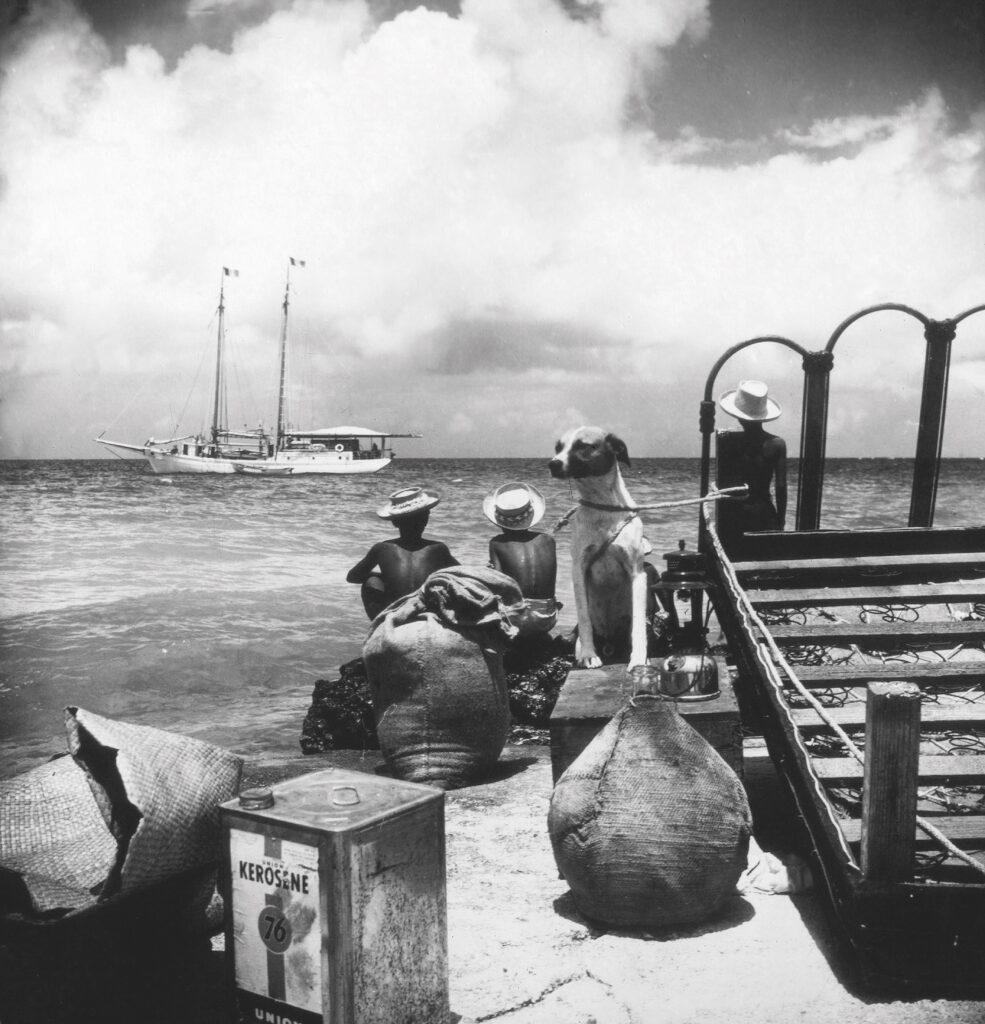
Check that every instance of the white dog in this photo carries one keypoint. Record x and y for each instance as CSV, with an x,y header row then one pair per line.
x,y
607,545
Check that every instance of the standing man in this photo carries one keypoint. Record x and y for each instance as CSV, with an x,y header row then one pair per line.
x,y
753,457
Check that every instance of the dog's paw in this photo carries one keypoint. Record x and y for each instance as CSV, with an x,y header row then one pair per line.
x,y
590,661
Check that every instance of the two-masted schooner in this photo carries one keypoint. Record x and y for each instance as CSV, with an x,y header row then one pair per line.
x,y
259,452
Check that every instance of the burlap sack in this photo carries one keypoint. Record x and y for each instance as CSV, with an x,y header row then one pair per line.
x,y
55,848
133,806
435,668
650,827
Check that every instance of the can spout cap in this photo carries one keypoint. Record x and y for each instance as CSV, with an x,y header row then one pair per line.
x,y
345,796
258,799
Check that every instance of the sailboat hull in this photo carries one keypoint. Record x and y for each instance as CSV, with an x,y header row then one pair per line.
x,y
300,464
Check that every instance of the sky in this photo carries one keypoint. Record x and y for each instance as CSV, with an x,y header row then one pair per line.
x,y
516,216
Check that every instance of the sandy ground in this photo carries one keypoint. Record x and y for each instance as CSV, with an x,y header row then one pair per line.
x,y
519,953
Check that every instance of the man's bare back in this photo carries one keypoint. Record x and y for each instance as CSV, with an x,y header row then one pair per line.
x,y
394,568
528,556
403,565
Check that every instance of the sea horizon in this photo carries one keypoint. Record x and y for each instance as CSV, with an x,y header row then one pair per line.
x,y
210,605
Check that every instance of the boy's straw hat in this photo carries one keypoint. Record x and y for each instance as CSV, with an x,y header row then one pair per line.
x,y
750,401
407,501
514,506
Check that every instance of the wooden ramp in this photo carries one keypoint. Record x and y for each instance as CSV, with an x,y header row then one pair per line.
x,y
853,621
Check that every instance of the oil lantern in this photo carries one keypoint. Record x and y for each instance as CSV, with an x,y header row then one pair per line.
x,y
688,672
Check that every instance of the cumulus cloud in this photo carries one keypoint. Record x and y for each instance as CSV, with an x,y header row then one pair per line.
x,y
484,223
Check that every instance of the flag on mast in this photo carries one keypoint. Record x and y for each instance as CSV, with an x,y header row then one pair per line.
x,y
230,273
296,263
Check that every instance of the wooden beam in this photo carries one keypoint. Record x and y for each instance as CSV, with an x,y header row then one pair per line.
x,y
942,560
959,828
882,634
786,544
926,593
889,788
950,674
934,769
852,716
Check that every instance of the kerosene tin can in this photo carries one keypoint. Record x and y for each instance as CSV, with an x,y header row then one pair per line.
x,y
335,901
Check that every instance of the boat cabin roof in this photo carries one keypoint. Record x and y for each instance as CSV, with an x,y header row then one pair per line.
x,y
344,431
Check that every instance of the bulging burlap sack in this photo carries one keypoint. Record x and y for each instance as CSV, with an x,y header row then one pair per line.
x,y
131,807
435,666
650,827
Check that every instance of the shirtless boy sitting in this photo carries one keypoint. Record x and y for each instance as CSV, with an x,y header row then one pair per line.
x,y
405,562
527,555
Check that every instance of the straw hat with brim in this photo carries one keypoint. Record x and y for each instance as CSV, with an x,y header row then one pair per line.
x,y
750,401
407,501
514,506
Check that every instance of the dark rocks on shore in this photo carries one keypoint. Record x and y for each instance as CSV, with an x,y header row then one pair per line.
x,y
341,713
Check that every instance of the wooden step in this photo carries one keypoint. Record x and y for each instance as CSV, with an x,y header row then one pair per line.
x,y
884,634
852,716
950,674
965,769
866,563
869,543
925,593
959,828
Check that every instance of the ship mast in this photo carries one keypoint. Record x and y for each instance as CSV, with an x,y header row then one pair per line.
x,y
281,427
217,404
283,363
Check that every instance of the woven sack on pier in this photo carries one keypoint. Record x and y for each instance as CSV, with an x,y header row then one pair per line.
x,y
132,806
650,827
435,667
159,791
55,848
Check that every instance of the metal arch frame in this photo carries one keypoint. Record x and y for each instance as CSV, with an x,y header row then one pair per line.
x,y
817,369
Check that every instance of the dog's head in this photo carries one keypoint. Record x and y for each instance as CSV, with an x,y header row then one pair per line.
x,y
587,451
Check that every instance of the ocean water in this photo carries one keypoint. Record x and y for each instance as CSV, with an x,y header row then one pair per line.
x,y
210,605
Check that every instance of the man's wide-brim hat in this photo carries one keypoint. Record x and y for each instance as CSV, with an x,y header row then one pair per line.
x,y
407,501
750,401
514,506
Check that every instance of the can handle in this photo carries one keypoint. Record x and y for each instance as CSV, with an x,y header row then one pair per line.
x,y
345,796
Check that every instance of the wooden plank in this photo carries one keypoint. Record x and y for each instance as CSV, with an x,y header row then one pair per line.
x,y
862,570
853,716
932,673
960,828
884,633
844,543
941,560
967,769
925,593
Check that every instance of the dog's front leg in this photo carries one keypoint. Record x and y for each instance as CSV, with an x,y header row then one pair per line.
x,y
585,655
638,638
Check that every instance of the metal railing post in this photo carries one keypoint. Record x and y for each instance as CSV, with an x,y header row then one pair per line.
x,y
813,436
930,435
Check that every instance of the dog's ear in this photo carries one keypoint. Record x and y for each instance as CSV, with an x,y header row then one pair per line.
x,y
618,447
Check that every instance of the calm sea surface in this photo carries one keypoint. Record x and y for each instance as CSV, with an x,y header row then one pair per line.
x,y
210,605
